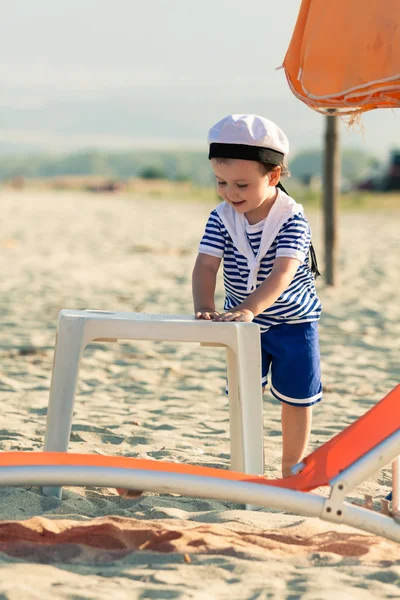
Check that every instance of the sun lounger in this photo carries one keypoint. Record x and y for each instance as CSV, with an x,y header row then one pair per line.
x,y
351,457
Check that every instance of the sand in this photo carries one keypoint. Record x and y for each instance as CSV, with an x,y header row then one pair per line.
x,y
166,401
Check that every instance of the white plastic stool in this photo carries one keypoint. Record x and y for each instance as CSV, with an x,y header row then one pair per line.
x,y
77,328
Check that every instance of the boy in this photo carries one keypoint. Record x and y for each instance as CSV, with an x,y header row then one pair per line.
x,y
264,239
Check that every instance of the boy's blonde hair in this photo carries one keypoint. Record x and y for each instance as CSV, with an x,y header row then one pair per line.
x,y
265,167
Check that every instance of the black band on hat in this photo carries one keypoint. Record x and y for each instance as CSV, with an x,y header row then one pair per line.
x,y
245,152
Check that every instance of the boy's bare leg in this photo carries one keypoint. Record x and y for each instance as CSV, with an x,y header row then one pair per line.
x,y
296,428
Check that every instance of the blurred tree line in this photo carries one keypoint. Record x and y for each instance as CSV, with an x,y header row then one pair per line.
x,y
173,165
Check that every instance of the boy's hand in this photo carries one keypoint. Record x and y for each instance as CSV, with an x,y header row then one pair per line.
x,y
241,315
206,314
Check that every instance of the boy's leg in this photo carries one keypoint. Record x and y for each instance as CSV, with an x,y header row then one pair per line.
x,y
296,428
296,382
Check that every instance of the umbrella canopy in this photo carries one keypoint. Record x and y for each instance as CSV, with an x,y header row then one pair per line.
x,y
345,55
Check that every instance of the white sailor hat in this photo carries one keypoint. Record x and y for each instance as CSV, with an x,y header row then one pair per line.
x,y
248,137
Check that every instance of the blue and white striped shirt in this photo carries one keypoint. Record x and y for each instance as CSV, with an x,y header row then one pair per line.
x,y
299,303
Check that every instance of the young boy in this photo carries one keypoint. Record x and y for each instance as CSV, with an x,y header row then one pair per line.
x,y
264,238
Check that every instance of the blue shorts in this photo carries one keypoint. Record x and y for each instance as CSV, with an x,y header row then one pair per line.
x,y
292,352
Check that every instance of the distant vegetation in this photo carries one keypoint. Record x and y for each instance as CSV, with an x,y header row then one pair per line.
x,y
355,163
172,165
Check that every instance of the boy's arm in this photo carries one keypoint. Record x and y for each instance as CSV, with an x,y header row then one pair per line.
x,y
204,280
267,293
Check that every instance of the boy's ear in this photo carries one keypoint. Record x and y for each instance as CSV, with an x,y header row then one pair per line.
x,y
275,176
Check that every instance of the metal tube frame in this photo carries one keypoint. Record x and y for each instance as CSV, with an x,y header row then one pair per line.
x,y
378,457
396,486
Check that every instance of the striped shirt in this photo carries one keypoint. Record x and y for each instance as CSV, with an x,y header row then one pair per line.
x,y
299,303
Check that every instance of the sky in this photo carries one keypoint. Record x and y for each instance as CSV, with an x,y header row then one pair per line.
x,y
121,74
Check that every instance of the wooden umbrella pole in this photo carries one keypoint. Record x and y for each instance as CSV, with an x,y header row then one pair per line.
x,y
331,192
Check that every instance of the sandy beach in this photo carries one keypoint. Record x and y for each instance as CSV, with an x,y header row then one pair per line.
x,y
166,401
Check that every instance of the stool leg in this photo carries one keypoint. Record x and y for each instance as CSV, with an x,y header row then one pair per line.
x,y
250,396
235,414
68,349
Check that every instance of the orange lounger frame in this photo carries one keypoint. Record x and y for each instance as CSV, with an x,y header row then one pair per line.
x,y
353,455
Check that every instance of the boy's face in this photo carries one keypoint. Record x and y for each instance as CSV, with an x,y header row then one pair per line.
x,y
243,186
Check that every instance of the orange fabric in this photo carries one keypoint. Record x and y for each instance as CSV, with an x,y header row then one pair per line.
x,y
13,459
321,466
344,55
381,421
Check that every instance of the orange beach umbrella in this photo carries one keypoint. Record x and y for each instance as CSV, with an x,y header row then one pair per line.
x,y
345,55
